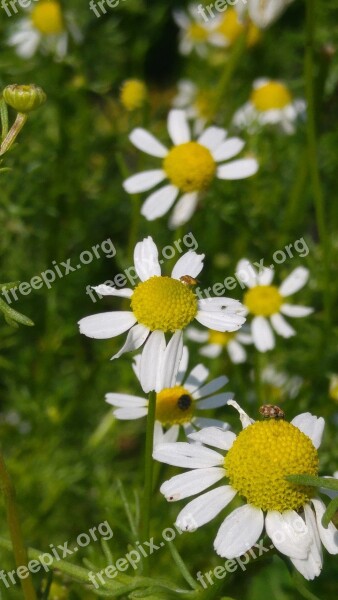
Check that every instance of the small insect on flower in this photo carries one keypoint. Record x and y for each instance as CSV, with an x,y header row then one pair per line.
x,y
269,411
188,280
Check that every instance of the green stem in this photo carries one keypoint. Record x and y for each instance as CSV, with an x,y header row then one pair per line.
x,y
18,546
13,133
148,473
234,58
258,378
4,119
318,197
182,566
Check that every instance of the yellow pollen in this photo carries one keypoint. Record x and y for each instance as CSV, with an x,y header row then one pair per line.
x,y
262,456
133,94
272,95
190,167
174,406
164,303
197,33
263,300
230,26
217,337
47,17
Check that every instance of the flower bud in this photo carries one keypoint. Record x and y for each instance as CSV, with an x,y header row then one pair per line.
x,y
24,98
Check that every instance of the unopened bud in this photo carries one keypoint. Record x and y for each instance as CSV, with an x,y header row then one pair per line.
x,y
24,98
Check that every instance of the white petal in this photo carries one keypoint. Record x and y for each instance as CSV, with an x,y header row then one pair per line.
x,y
228,149
289,533
196,378
311,566
159,202
262,334
236,352
212,387
212,137
184,209
219,304
329,536
107,290
211,350
247,273
203,509
312,426
294,282
146,142
178,127
168,370
107,325
170,436
141,182
245,419
129,414
214,436
292,310
146,259
191,483
220,321
196,335
214,401
238,169
239,532
135,338
188,456
189,264
281,326
203,423
183,366
265,277
151,361
125,400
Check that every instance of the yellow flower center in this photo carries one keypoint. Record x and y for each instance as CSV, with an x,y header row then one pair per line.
x,y
262,456
272,95
190,167
263,300
164,303
47,17
217,337
197,32
174,406
133,94
230,27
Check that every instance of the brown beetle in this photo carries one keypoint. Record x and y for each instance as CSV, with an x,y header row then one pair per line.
x,y
269,411
188,280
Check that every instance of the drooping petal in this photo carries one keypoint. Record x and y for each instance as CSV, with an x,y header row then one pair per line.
x,y
184,209
178,127
294,282
203,509
311,566
228,149
144,181
191,483
190,263
312,426
188,456
239,532
167,373
214,436
262,334
146,142
296,311
159,202
135,338
281,326
151,361
146,259
289,533
245,419
212,137
238,169
329,536
107,325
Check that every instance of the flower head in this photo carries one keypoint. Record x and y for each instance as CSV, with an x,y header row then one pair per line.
x,y
266,303
160,305
216,341
255,465
190,166
195,33
133,94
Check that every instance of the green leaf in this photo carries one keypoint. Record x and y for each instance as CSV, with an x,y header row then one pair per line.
x,y
13,316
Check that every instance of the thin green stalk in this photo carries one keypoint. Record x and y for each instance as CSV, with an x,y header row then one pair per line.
x,y
13,133
3,118
309,73
19,550
182,566
148,473
234,58
258,378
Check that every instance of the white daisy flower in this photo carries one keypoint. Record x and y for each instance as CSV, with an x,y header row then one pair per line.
x,y
195,33
266,303
179,400
216,341
197,104
262,12
160,305
190,167
256,463
270,103
46,27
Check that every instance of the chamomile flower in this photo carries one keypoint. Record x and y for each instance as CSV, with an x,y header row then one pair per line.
x,y
216,341
262,12
266,303
271,103
190,166
230,27
46,26
255,465
160,305
198,104
195,34
180,400
133,94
